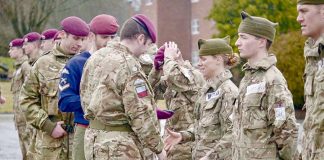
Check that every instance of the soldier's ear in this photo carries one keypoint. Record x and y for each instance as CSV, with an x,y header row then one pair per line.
x,y
244,15
227,39
62,34
201,42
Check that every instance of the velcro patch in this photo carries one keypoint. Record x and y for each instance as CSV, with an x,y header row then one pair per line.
x,y
256,88
141,91
213,95
280,112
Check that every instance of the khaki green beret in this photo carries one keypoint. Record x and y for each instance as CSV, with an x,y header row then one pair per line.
x,y
214,46
257,26
310,1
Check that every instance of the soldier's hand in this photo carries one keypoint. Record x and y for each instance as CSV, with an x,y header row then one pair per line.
x,y
172,139
58,131
2,100
171,50
162,155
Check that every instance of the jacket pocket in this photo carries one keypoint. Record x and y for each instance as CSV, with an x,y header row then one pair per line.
x,y
254,116
49,91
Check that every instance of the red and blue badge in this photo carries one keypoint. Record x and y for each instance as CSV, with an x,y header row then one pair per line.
x,y
140,88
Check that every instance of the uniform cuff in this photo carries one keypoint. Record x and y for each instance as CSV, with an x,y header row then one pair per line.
x,y
186,136
48,126
159,148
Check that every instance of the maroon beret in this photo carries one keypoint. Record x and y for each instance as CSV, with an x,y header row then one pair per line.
x,y
49,34
104,24
18,42
32,36
75,25
148,26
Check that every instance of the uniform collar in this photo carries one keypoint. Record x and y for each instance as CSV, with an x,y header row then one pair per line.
x,y
263,64
58,52
218,80
314,44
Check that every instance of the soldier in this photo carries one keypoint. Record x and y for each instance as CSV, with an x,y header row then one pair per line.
x,y
212,131
18,78
102,27
88,82
264,125
32,46
39,97
48,40
311,18
122,111
181,83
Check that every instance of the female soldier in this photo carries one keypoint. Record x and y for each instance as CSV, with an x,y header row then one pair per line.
x,y
213,127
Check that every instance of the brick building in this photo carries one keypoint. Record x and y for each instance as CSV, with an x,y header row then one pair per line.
x,y
182,21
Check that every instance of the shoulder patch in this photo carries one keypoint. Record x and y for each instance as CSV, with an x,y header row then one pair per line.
x,y
140,88
280,112
65,71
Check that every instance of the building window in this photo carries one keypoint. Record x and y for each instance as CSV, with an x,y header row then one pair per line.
x,y
195,26
194,1
136,4
195,58
148,2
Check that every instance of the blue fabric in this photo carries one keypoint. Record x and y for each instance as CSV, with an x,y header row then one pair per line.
x,y
69,87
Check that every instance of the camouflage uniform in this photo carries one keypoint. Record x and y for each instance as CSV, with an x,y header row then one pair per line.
x,y
264,125
212,131
314,120
88,80
39,102
312,58
182,83
18,79
123,115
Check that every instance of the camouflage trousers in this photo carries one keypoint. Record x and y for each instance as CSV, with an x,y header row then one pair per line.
x,y
50,148
78,143
20,123
31,152
99,144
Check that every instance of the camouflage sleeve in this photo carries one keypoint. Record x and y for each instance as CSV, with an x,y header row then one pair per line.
x,y
281,115
25,68
188,135
84,86
157,85
139,107
179,78
30,102
224,145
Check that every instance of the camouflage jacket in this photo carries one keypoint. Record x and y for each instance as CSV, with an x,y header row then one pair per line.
x,y
312,59
19,76
39,99
89,81
124,97
212,131
316,137
264,123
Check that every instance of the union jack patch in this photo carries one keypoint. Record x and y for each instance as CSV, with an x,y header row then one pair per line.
x,y
141,91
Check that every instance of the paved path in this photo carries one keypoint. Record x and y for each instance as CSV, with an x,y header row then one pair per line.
x,y
9,144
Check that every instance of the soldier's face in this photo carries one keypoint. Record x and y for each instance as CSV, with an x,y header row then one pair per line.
x,y
29,47
311,19
143,43
209,65
248,45
101,40
15,52
71,43
47,45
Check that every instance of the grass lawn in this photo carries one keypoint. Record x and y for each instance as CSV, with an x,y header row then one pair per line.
x,y
5,91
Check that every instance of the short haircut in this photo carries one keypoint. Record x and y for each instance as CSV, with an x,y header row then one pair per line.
x,y
131,29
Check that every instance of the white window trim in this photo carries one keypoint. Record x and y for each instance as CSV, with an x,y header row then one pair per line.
x,y
148,2
195,26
